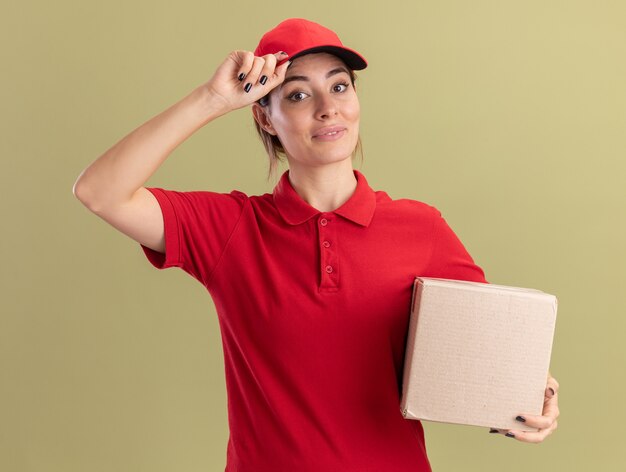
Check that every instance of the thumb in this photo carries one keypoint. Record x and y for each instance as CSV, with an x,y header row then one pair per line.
x,y
280,71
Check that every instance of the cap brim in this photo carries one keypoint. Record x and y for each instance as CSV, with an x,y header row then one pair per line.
x,y
352,58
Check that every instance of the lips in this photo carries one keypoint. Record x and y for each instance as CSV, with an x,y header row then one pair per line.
x,y
329,131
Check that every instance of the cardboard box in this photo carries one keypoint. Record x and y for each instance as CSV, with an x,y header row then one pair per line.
x,y
477,354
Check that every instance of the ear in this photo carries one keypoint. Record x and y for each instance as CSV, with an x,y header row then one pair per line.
x,y
261,116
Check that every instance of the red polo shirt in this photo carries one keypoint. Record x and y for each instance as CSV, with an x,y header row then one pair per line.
x,y
313,309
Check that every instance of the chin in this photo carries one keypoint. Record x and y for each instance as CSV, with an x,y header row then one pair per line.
x,y
329,153
341,150
339,154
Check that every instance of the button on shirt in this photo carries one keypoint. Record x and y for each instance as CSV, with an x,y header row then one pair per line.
x,y
313,309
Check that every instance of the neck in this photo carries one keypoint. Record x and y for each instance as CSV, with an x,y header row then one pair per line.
x,y
325,188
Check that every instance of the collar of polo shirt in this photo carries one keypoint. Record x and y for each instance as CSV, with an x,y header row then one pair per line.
x,y
359,208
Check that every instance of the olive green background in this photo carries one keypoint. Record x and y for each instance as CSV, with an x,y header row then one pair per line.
x,y
508,116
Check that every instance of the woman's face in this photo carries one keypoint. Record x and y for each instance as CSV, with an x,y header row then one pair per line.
x,y
315,111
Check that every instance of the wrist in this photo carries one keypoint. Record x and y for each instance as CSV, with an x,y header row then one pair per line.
x,y
207,104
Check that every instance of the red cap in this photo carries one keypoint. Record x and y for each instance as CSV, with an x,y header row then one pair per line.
x,y
297,36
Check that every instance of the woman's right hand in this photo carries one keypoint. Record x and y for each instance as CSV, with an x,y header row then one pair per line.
x,y
244,78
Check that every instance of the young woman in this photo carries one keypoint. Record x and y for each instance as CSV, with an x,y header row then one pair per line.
x,y
311,283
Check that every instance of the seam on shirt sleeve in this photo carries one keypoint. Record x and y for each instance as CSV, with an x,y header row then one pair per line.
x,y
246,203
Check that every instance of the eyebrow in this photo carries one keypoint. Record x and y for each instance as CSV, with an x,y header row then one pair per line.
x,y
330,73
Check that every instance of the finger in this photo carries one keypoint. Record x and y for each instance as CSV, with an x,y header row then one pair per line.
x,y
504,432
268,67
280,64
246,59
533,437
552,386
270,70
281,57
551,406
254,74
279,74
277,78
549,414
538,421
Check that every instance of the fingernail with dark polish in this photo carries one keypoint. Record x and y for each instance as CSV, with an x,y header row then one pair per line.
x,y
248,87
241,76
263,79
521,418
493,430
509,435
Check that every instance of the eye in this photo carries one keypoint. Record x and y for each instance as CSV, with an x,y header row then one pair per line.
x,y
340,87
297,96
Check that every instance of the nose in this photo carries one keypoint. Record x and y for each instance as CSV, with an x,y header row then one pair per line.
x,y
326,107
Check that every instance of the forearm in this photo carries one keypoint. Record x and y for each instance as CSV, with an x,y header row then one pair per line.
x,y
117,174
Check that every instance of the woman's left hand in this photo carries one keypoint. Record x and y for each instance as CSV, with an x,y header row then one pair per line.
x,y
546,422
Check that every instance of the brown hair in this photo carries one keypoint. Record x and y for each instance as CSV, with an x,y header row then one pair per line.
x,y
275,149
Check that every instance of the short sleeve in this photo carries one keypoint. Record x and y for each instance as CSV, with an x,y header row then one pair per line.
x,y
198,226
449,258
